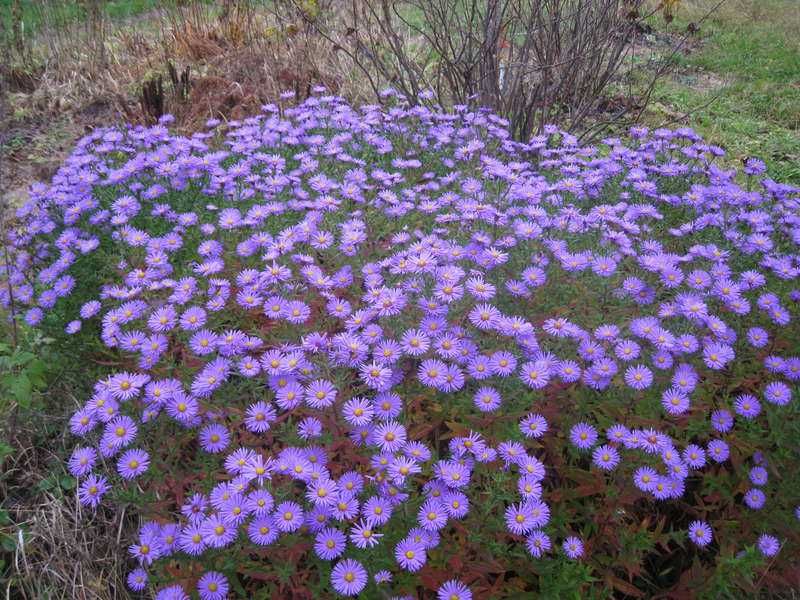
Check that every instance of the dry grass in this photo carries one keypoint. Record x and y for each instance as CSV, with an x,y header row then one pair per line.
x,y
60,552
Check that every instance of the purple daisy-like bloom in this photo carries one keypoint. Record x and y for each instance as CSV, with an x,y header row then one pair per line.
x,y
605,457
533,426
137,580
675,401
410,555
432,515
700,533
453,590
363,535
759,475
487,399
583,436
747,406
778,393
716,356
133,463
694,456
92,490
212,586
520,518
722,420
768,545
538,543
82,461
262,530
536,374
288,516
172,592
755,498
191,540
259,416
573,547
358,411
330,543
216,532
320,394
214,438
645,478
638,377
349,577
382,576
390,436
718,451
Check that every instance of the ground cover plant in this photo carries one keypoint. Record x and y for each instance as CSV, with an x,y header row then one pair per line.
x,y
388,351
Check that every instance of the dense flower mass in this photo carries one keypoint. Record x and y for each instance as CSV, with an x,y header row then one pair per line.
x,y
353,326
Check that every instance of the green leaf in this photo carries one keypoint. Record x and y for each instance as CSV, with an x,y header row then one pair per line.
x,y
36,373
8,543
21,389
67,482
5,450
22,357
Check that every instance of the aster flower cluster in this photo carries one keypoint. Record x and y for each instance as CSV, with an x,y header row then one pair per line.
x,y
292,289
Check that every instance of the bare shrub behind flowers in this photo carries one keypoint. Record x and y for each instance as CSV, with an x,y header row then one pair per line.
x,y
530,61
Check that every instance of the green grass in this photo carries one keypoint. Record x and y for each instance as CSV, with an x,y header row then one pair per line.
x,y
741,88
36,14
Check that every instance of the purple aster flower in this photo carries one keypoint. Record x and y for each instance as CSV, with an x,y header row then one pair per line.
x,y
363,534
137,579
288,516
716,355
533,426
330,543
259,416
212,586
92,490
700,533
638,377
82,461
216,533
487,399
538,543
535,374
173,592
583,436
747,406
758,475
718,451
778,393
453,590
410,555
382,576
573,547
694,456
214,438
133,463
768,545
262,530
358,411
432,515
605,457
320,394
349,577
755,498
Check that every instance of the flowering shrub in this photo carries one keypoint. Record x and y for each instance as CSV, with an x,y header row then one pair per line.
x,y
392,349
